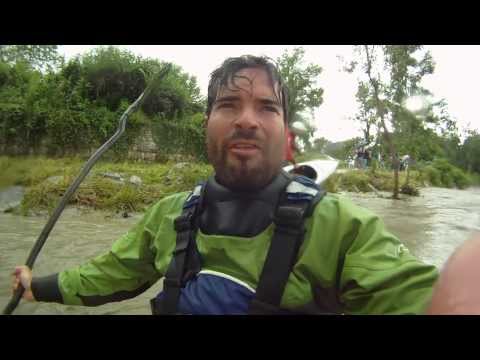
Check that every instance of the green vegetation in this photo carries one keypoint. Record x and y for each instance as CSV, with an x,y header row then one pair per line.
x,y
53,109
74,107
442,173
61,109
359,181
47,180
389,79
439,173
304,94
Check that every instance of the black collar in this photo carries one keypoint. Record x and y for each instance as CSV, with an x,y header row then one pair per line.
x,y
240,213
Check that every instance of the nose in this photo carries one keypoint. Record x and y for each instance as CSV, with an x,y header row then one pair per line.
x,y
247,119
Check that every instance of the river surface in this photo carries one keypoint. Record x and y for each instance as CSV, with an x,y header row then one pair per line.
x,y
431,226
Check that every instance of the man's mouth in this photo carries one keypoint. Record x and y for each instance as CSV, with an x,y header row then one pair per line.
x,y
243,149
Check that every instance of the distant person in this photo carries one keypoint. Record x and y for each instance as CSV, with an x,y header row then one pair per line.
x,y
367,157
351,162
404,161
359,158
380,160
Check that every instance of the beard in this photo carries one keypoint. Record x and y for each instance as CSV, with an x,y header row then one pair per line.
x,y
244,174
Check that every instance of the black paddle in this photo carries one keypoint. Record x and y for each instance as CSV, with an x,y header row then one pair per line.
x,y
73,187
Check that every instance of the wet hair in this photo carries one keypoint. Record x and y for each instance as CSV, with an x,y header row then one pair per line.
x,y
224,76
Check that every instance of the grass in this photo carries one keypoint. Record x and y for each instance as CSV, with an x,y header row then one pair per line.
x,y
443,174
359,180
29,171
440,173
97,191
162,179
474,179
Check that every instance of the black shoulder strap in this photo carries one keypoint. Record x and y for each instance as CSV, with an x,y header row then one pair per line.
x,y
288,236
185,261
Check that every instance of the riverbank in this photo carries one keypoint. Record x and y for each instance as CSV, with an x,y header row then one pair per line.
x,y
431,226
125,186
439,173
128,187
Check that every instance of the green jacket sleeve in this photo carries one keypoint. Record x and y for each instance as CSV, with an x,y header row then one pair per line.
x,y
379,274
127,270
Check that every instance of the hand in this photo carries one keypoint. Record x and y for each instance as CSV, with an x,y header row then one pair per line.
x,y
23,275
456,291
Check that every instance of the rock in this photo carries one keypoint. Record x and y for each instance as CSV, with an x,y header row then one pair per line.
x,y
116,177
175,168
374,189
135,180
409,190
10,198
12,208
179,166
55,179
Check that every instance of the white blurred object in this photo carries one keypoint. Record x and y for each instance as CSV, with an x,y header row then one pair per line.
x,y
298,128
415,103
321,169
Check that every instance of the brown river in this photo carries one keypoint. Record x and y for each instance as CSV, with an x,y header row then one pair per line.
x,y
431,226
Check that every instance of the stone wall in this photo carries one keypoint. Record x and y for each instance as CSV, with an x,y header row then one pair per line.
x,y
144,147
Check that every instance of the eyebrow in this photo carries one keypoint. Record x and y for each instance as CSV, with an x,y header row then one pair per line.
x,y
264,101
268,101
226,99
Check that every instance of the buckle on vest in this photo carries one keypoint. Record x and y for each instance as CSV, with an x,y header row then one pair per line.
x,y
183,223
289,216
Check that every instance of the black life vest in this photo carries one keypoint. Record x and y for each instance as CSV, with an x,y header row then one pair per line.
x,y
296,202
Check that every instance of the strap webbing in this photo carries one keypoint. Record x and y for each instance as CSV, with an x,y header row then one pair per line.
x,y
286,241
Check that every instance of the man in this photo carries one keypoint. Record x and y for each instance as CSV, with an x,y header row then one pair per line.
x,y
404,162
359,158
338,259
367,158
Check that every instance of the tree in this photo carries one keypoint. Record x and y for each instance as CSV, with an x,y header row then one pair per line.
x,y
344,149
77,106
367,114
470,152
304,95
320,144
393,73
114,75
38,56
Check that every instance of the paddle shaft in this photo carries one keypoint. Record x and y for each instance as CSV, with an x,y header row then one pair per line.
x,y
73,187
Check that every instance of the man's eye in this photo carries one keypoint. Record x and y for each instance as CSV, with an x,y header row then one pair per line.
x,y
271,108
225,105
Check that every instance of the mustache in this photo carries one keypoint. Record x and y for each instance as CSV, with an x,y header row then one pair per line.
x,y
243,134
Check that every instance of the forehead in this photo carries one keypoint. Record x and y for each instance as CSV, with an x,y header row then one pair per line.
x,y
252,81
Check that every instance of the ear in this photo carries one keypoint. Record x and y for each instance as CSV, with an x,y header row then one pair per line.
x,y
205,123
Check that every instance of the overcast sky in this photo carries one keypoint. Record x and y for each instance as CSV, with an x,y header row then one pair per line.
x,y
456,77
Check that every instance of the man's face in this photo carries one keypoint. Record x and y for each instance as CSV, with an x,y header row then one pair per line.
x,y
245,132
